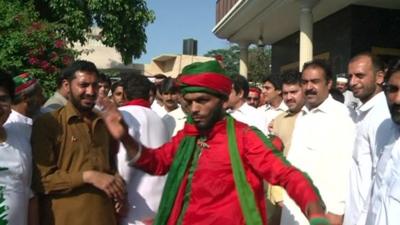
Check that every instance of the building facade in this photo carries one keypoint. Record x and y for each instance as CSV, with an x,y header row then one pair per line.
x,y
343,34
300,30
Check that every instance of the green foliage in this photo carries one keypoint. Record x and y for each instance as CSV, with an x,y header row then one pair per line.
x,y
28,44
259,61
37,36
122,22
230,56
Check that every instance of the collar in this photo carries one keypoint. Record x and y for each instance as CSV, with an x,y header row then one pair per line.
x,y
60,97
287,114
139,102
380,97
242,108
326,106
281,107
73,114
178,113
219,127
21,118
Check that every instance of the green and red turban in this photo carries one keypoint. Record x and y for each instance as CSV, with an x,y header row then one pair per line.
x,y
24,83
207,77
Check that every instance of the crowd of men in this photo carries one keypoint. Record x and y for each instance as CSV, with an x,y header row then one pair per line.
x,y
302,148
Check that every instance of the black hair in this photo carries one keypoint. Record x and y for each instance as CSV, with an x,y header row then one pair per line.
x,y
7,82
59,80
377,63
153,87
115,85
275,80
393,67
160,76
319,63
240,83
136,85
168,85
291,77
79,65
103,78
337,95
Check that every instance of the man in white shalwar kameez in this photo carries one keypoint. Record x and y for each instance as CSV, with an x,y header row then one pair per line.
x,y
144,190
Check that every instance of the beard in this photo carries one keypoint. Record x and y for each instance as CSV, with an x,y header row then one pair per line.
x,y
395,113
76,101
216,115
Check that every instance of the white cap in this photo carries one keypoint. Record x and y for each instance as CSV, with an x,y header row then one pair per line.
x,y
342,79
152,79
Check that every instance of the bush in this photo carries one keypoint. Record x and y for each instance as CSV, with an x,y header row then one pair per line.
x,y
28,44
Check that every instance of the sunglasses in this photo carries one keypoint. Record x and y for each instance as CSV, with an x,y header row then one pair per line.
x,y
389,88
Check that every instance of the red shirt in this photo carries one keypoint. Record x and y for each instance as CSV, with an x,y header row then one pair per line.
x,y
213,196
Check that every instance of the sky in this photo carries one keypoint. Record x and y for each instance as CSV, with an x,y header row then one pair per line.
x,y
177,20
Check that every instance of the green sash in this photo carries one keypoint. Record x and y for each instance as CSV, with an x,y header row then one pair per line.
x,y
180,164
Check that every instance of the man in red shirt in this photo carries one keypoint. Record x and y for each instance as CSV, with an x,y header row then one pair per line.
x,y
216,165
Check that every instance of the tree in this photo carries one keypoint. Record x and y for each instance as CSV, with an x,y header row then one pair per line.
x,y
230,57
259,61
28,44
122,22
37,36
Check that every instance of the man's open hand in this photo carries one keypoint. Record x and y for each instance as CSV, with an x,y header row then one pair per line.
x,y
113,119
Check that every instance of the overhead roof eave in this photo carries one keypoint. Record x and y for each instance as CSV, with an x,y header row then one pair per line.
x,y
248,20
163,58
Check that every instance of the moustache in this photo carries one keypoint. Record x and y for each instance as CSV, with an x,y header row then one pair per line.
x,y
310,92
91,97
195,114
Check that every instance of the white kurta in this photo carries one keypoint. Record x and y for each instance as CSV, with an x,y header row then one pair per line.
x,y
160,110
23,121
351,101
15,175
384,207
368,117
251,116
322,144
271,113
174,121
144,190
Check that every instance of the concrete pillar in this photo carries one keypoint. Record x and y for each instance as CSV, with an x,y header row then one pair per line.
x,y
306,31
244,58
